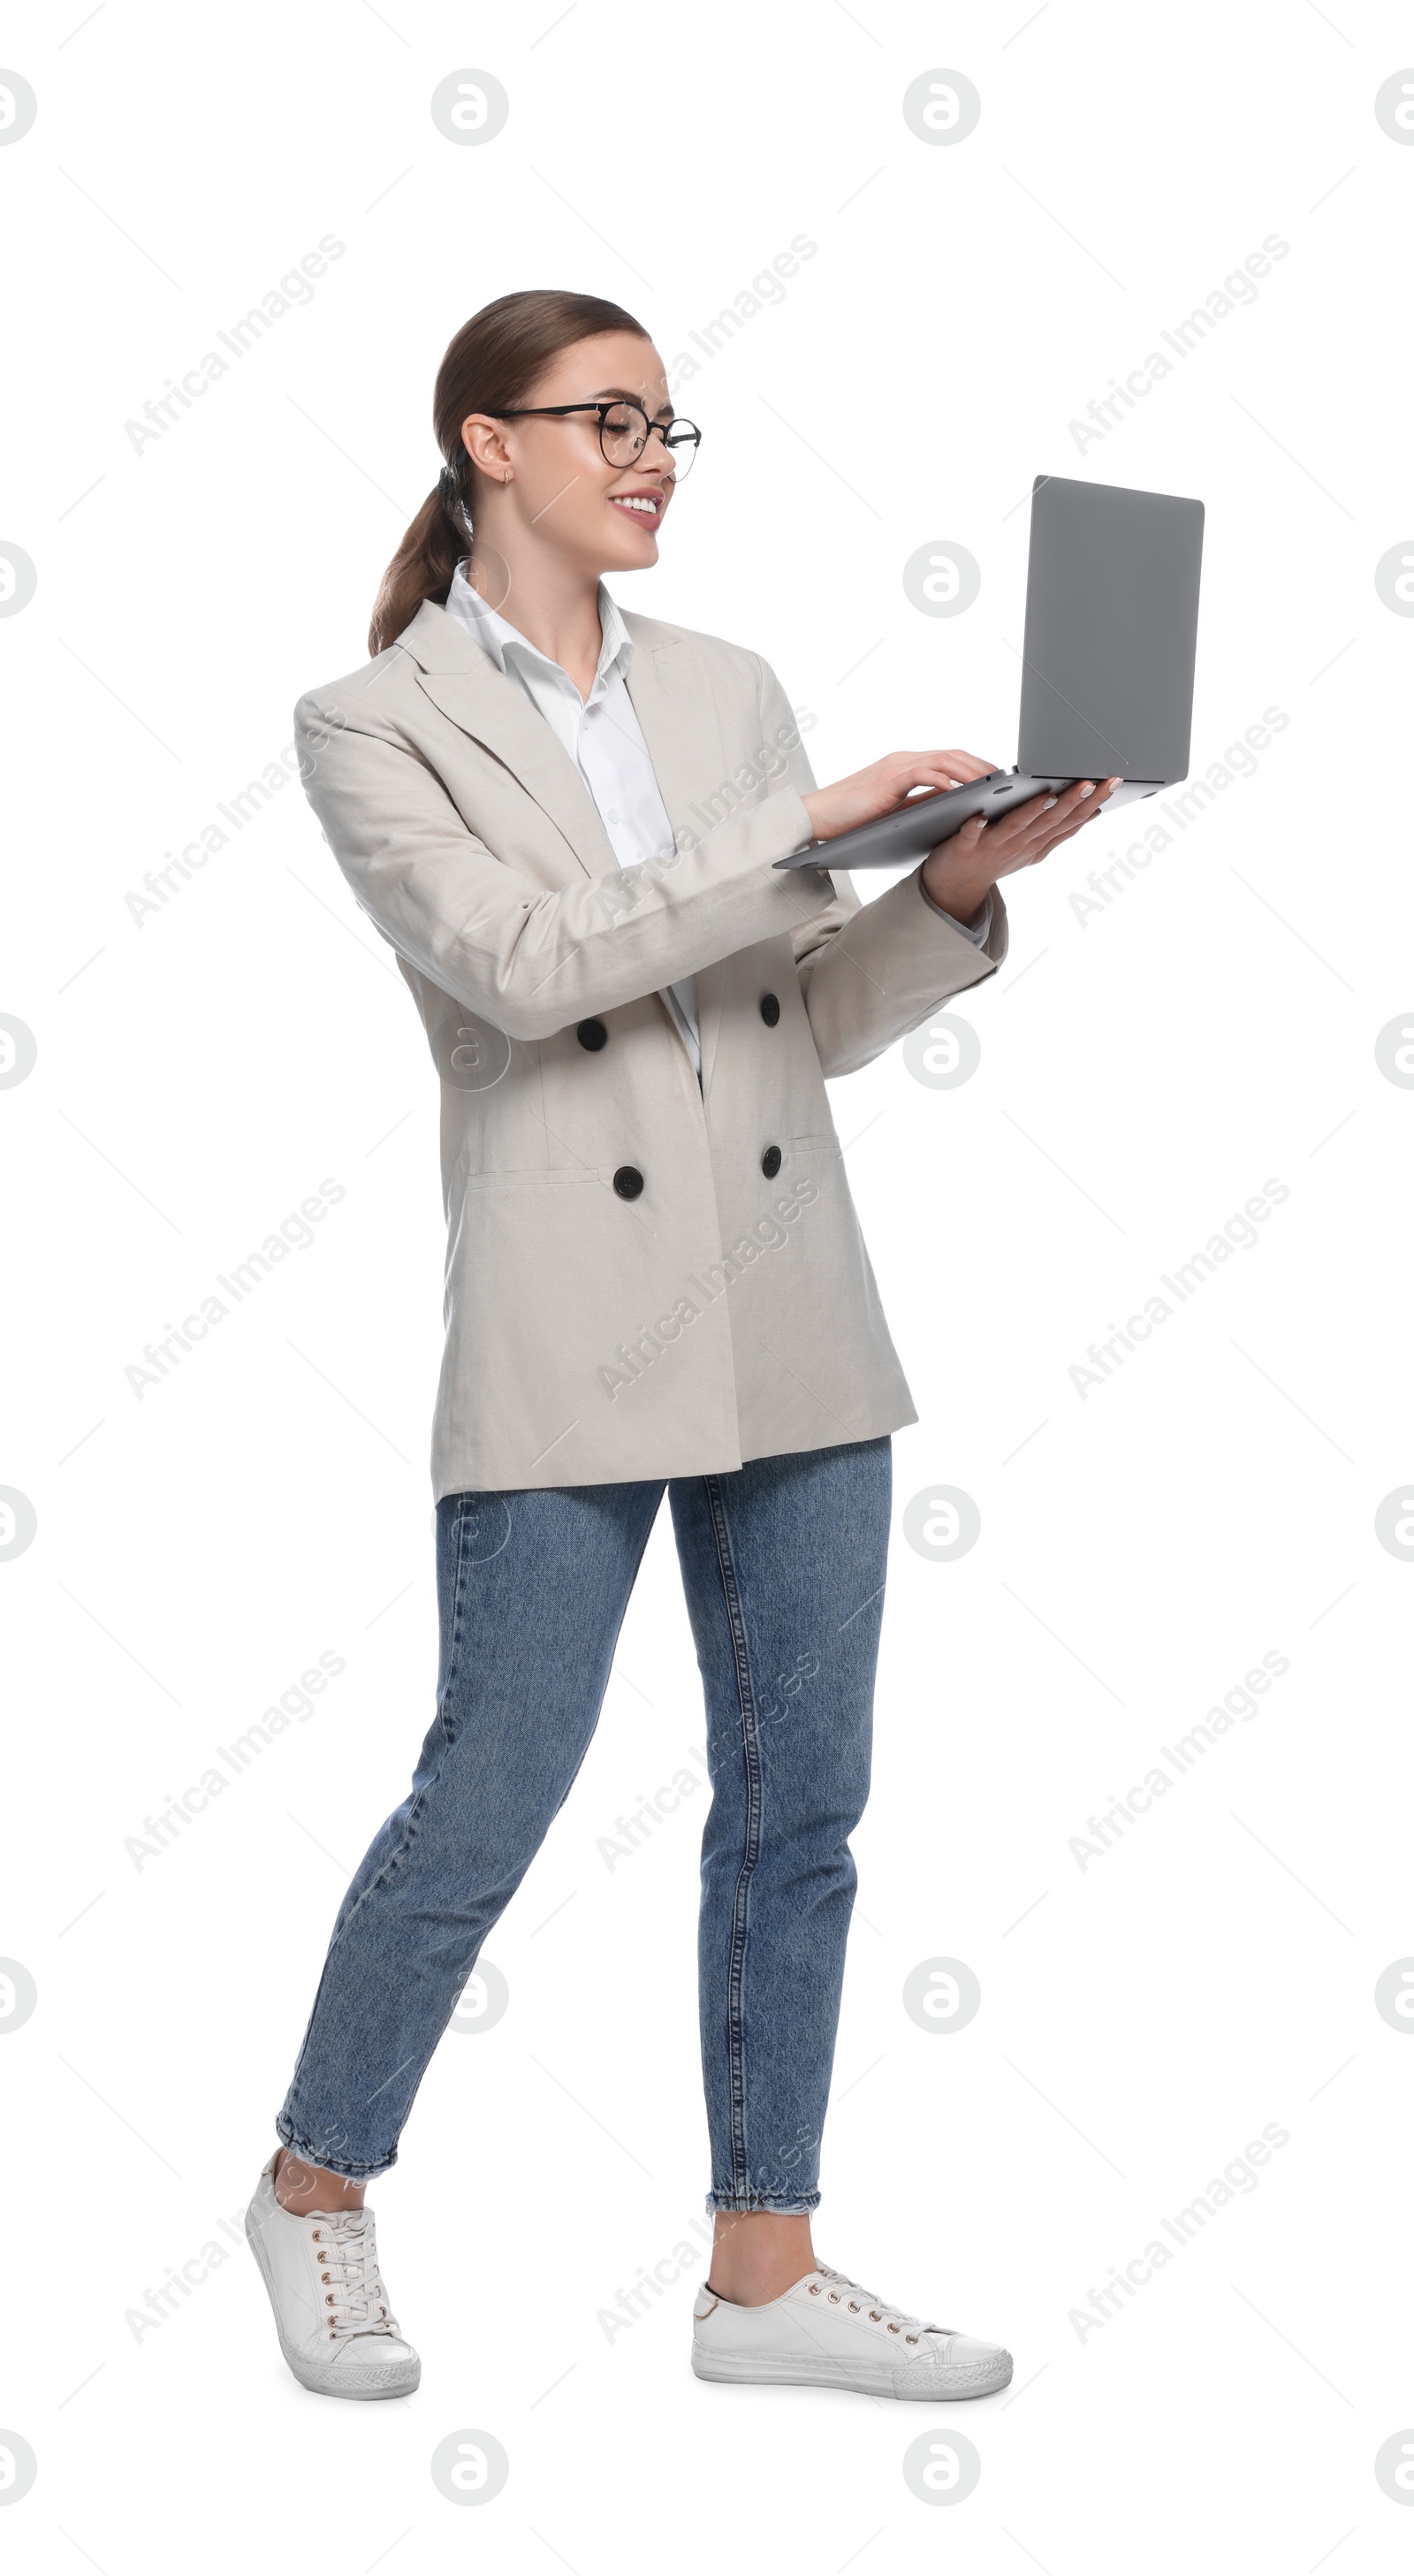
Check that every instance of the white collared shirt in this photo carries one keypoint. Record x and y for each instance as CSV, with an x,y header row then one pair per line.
x,y
604,739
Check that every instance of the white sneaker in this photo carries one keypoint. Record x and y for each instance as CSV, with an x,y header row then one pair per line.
x,y
331,2309
827,2332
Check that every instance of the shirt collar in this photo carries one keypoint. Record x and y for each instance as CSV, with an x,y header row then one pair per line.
x,y
496,635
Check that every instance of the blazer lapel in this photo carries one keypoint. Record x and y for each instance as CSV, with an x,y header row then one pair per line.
x,y
465,684
675,705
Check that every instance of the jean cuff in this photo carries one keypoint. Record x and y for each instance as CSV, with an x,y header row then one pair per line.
x,y
744,2202
346,2170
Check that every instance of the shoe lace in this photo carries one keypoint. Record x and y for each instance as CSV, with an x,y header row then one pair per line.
x,y
880,2311
355,2300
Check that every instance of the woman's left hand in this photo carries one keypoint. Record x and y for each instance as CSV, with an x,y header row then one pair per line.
x,y
960,873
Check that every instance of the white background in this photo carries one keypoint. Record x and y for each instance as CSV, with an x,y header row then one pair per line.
x,y
1143,1073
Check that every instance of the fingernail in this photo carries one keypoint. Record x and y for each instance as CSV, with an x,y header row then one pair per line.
x,y
1050,800
1088,789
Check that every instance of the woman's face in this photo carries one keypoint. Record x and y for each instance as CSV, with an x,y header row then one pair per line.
x,y
604,517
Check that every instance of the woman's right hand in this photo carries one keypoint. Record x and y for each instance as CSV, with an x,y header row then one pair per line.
x,y
887,784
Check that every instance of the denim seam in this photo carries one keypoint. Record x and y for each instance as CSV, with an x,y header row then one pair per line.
x,y
751,1757
409,1833
618,1632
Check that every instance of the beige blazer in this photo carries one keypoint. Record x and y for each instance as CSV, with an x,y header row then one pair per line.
x,y
644,1278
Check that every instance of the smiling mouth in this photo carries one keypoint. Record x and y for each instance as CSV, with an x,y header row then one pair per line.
x,y
647,506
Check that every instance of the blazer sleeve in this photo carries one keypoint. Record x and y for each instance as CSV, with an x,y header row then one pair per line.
x,y
870,972
526,960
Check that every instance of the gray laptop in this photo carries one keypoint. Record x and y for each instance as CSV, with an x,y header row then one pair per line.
x,y
1106,675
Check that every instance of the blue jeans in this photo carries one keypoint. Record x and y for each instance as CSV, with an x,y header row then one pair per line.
x,y
783,1566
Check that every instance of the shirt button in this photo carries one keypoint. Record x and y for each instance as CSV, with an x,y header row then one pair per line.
x,y
628,1182
613,814
592,1034
770,1009
771,1161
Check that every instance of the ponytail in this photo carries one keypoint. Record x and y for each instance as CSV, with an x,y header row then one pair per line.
x,y
421,569
492,365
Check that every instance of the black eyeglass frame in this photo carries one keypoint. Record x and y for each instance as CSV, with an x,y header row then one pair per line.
x,y
620,402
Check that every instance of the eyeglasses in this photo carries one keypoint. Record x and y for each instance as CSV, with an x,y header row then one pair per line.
x,y
624,431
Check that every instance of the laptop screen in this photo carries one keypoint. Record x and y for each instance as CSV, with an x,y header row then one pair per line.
x,y
1111,629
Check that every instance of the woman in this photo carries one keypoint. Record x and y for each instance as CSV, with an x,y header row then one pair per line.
x,y
564,819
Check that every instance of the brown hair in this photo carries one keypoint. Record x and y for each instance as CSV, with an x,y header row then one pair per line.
x,y
494,362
